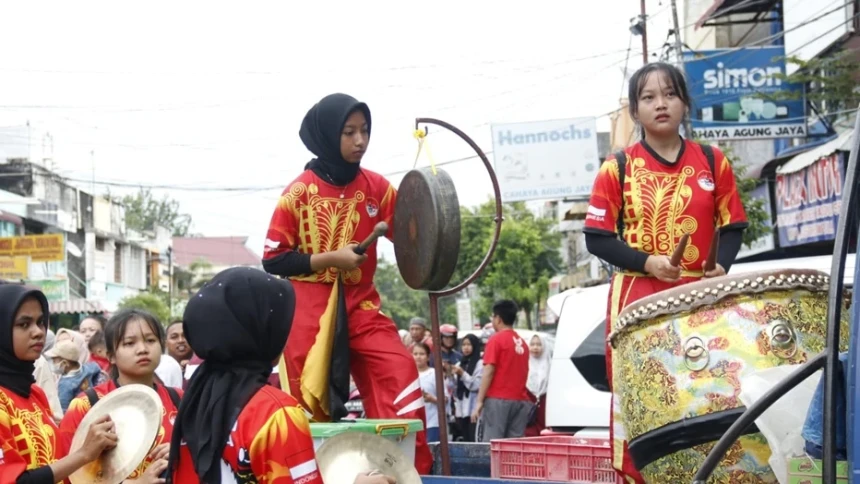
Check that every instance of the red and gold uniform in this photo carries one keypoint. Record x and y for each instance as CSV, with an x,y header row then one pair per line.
x,y
271,438
662,202
29,438
80,405
313,217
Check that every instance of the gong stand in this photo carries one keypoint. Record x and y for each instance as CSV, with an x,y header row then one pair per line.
x,y
436,295
827,359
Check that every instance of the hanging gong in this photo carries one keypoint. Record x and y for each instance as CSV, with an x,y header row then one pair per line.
x,y
427,229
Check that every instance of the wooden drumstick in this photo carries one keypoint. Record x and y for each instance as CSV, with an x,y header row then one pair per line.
x,y
711,261
378,231
679,250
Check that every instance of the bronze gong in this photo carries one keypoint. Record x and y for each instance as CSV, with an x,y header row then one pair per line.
x,y
427,229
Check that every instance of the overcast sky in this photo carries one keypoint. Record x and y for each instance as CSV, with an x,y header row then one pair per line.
x,y
201,94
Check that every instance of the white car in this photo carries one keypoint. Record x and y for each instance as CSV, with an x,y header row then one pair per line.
x,y
578,398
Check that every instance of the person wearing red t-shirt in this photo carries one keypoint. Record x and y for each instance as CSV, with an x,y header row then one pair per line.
x,y
503,404
135,343
671,187
232,427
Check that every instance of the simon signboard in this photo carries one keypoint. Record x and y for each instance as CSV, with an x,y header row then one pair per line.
x,y
739,94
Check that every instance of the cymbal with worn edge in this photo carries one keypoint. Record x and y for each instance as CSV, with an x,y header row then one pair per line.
x,y
344,456
136,411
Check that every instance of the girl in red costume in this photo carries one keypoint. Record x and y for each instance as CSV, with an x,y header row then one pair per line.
x,y
319,221
672,186
31,450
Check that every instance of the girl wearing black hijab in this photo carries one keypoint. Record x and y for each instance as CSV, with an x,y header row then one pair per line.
x,y
30,450
321,217
230,420
468,371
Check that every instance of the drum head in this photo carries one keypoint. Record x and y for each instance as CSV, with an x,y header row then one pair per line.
x,y
136,410
344,456
427,229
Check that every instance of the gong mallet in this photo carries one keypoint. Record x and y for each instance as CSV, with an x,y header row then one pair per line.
x,y
679,250
711,261
378,231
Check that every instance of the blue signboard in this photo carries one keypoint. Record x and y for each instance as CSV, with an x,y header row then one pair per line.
x,y
735,95
808,201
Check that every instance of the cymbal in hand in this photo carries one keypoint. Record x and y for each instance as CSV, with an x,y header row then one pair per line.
x,y
679,250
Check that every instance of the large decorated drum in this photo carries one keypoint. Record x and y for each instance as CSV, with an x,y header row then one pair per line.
x,y
679,356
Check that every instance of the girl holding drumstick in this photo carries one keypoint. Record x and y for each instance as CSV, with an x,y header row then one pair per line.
x,y
670,186
30,450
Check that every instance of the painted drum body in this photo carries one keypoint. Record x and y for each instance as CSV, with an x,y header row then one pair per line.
x,y
679,357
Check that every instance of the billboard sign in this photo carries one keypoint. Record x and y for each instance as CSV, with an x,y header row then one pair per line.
x,y
40,248
737,95
546,160
14,268
808,201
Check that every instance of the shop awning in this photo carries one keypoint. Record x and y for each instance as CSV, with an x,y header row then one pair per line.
x,y
11,217
77,306
721,8
807,158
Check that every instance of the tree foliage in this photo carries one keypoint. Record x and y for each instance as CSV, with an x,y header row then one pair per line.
x,y
143,212
402,303
526,256
758,213
831,81
150,302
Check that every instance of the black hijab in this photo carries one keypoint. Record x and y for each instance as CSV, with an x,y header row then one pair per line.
x,y
320,132
238,324
468,363
15,374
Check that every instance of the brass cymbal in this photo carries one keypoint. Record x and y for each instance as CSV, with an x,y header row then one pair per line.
x,y
136,411
344,456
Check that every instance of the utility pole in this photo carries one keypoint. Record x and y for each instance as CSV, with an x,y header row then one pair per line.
x,y
170,280
679,53
645,32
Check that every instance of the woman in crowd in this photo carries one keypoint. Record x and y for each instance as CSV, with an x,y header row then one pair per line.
x,y
46,380
135,341
468,373
648,196
84,357
540,357
72,378
30,450
231,421
91,325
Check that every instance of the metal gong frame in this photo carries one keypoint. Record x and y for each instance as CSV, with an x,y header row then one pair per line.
x,y
436,295
827,359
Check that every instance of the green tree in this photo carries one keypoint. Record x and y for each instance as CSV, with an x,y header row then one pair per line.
x,y
149,302
526,256
143,211
831,82
757,212
402,303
